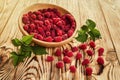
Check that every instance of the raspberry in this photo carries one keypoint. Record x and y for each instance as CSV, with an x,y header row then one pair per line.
x,y
49,58
47,22
25,20
85,62
48,33
48,39
72,69
53,33
25,27
66,59
59,23
65,36
100,51
89,52
58,52
40,29
70,32
78,56
69,54
83,46
74,49
65,52
58,39
47,14
59,64
40,17
37,12
100,61
88,71
32,26
33,16
92,44
55,20
59,32
40,37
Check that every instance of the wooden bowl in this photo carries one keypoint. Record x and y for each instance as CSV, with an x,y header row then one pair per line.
x,y
36,7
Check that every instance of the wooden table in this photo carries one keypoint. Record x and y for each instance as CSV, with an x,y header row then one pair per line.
x,y
106,14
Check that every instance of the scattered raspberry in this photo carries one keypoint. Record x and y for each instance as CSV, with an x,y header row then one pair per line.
x,y
100,51
92,44
75,48
69,54
49,58
89,52
88,71
100,61
66,59
58,52
59,64
78,56
72,69
83,46
65,52
85,62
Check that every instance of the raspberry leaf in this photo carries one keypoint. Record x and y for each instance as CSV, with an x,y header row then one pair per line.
x,y
16,42
96,33
85,28
27,39
91,24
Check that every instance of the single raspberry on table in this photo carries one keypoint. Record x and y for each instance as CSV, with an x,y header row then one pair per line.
x,y
66,59
83,46
85,62
58,52
69,54
92,44
60,64
88,71
49,58
100,61
72,69
75,48
89,52
100,51
78,56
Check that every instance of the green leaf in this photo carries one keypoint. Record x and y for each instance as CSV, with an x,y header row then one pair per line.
x,y
14,58
96,33
39,50
91,35
27,39
82,37
16,42
84,28
91,24
26,48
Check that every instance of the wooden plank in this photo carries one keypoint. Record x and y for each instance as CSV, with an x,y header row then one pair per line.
x,y
112,17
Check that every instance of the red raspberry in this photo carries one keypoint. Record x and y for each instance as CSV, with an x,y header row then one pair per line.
x,y
47,14
55,20
33,16
58,39
32,26
25,27
58,52
85,62
40,29
47,22
49,58
59,23
100,51
72,69
83,46
25,20
40,37
66,59
89,52
48,33
88,71
78,56
70,32
37,12
53,33
48,39
40,17
92,44
69,54
65,51
35,35
59,32
59,64
65,36
100,61
75,48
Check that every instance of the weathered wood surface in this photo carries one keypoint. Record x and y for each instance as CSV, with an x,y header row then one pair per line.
x,y
104,12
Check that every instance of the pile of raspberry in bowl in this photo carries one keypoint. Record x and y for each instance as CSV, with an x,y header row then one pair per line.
x,y
49,25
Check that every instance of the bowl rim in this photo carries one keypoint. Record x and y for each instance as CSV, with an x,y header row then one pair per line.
x,y
44,43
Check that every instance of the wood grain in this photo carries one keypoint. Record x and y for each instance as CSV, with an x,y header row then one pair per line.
x,y
104,12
